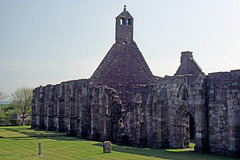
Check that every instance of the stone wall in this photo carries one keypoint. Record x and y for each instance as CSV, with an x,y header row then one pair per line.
x,y
160,114
156,116
224,112
75,108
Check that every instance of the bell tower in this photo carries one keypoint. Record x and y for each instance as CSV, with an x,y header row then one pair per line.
x,y
124,27
124,65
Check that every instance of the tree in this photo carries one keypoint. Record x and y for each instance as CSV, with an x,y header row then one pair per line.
x,y
6,111
21,100
3,96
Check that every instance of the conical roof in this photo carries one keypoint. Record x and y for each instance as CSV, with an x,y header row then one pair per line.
x,y
123,65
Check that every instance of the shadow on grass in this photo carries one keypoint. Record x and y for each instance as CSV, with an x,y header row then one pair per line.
x,y
176,154
57,138
157,153
32,132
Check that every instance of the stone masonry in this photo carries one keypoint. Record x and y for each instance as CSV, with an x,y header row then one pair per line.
x,y
124,103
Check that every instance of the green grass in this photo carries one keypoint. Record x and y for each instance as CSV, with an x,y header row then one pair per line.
x,y
24,132
68,148
191,144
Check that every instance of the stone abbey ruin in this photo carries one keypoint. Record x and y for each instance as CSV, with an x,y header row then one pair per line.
x,y
125,103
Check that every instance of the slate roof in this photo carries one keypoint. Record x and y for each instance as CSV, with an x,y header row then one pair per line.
x,y
123,64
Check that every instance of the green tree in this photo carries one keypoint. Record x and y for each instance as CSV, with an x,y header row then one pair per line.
x,y
21,100
2,115
6,111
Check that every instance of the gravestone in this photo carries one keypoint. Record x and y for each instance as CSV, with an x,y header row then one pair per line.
x,y
107,147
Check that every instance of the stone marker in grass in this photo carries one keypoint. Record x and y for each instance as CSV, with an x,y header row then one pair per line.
x,y
107,147
40,149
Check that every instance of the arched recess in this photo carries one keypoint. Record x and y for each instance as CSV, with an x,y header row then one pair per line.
x,y
137,116
56,106
51,109
183,127
162,129
151,117
61,109
95,117
79,95
42,109
183,93
71,111
152,110
69,93
104,113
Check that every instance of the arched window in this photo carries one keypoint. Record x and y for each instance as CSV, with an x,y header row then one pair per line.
x,y
61,90
106,109
80,91
105,103
51,93
41,92
183,93
69,92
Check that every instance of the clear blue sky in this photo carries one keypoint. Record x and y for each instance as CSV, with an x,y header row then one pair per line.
x,y
47,42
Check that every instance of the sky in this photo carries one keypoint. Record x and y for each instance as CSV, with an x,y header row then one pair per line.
x,y
47,42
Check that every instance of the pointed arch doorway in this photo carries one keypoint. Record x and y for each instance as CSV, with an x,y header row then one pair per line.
x,y
184,128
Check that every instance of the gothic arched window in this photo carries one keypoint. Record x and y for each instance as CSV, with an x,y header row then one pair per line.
x,y
183,93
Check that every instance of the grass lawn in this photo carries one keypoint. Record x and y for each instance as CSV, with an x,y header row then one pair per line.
x,y
56,146
24,132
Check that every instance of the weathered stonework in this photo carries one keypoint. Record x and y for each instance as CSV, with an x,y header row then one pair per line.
x,y
124,103
224,112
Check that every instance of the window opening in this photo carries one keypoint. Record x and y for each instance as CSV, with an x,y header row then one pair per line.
x,y
129,22
122,21
106,109
184,94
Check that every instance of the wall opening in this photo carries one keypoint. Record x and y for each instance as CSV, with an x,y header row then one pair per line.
x,y
105,104
129,21
125,140
123,21
192,128
184,131
104,113
188,130
79,112
137,117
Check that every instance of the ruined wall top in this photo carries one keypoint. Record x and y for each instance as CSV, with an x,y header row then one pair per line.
x,y
188,65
